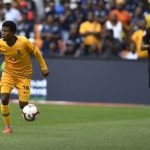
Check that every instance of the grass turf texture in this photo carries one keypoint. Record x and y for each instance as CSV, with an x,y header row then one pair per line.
x,y
80,128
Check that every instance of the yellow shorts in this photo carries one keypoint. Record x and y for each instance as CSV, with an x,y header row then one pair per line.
x,y
22,84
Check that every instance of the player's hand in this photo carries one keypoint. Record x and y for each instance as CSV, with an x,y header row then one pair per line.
x,y
45,72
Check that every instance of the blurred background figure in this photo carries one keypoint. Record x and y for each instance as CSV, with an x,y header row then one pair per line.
x,y
73,44
50,34
65,21
114,24
10,12
100,11
133,51
136,38
110,47
90,31
26,27
123,15
28,7
137,17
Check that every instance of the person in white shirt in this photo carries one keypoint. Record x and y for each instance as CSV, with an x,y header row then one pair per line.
x,y
114,24
10,12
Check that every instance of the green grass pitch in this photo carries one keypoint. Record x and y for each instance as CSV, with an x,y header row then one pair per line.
x,y
74,127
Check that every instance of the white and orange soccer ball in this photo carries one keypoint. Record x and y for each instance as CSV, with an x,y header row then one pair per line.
x,y
30,112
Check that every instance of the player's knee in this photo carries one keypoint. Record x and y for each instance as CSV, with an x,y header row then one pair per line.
x,y
22,104
5,98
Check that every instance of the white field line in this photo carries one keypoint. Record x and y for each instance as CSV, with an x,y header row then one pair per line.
x,y
80,103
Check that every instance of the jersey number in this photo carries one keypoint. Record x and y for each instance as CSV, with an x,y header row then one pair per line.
x,y
26,87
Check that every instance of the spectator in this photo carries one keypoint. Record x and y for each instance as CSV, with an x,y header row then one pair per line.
x,y
50,34
59,7
101,12
49,9
110,5
80,13
65,21
74,4
110,47
123,15
72,45
10,12
114,24
90,30
26,27
131,5
28,7
39,5
136,39
137,16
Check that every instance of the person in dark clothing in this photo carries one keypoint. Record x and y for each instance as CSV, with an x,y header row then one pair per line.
x,y
110,47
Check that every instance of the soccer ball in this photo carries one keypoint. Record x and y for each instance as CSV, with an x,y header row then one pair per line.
x,y
30,112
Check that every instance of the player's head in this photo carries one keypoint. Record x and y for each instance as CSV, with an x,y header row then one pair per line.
x,y
8,30
11,25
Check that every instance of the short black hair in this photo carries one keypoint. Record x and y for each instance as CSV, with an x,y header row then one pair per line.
x,y
12,25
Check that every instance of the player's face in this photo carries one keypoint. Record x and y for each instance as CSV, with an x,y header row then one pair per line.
x,y
6,33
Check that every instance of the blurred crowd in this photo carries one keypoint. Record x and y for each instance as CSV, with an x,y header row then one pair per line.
x,y
101,28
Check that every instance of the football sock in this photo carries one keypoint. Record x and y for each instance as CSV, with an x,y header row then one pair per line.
x,y
6,115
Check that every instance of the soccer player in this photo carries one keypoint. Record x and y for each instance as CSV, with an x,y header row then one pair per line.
x,y
18,68
145,45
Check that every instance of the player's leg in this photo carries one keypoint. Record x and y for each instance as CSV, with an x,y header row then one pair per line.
x,y
23,86
7,84
22,104
6,112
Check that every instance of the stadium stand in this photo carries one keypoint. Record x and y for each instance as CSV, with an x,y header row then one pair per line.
x,y
31,18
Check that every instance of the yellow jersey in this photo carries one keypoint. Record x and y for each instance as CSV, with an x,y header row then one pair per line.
x,y
88,26
137,38
17,57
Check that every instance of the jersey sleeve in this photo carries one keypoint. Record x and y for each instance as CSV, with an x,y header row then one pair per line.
x,y
36,52
2,46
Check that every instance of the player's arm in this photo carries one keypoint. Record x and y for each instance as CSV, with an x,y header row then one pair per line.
x,y
41,61
36,52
